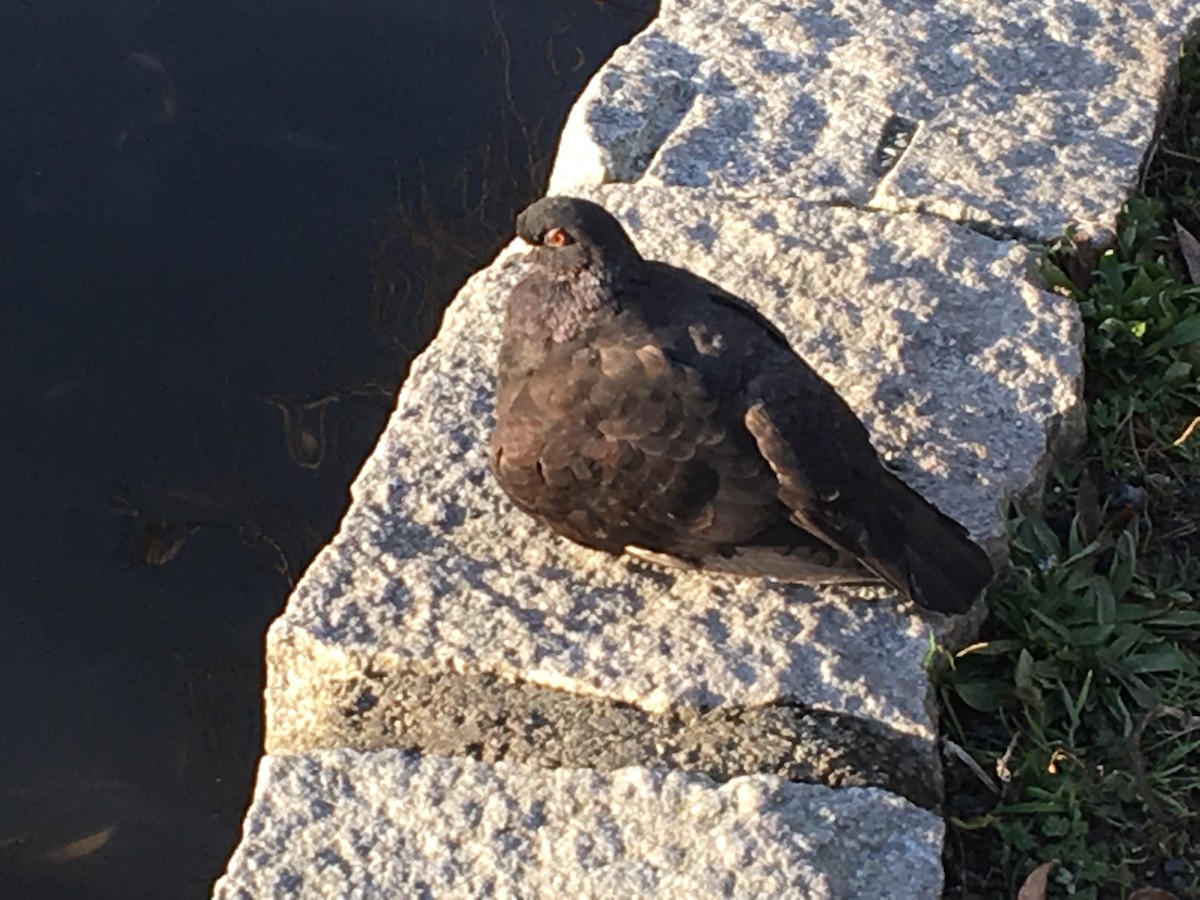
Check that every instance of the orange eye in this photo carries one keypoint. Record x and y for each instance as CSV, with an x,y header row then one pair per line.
x,y
557,237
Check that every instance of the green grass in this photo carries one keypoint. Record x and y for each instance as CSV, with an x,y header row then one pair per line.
x,y
1081,702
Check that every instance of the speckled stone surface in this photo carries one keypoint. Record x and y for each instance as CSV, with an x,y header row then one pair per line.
x,y
1020,117
400,825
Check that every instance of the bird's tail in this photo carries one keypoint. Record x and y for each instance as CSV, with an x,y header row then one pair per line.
x,y
943,569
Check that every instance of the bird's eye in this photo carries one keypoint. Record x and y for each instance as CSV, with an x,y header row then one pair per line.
x,y
557,237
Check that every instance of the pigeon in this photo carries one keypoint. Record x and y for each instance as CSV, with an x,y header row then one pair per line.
x,y
643,410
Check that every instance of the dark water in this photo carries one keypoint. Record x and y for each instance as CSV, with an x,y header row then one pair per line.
x,y
225,227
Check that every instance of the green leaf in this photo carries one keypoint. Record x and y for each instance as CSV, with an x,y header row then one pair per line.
x,y
1079,576
1048,670
1112,701
1179,618
985,696
1081,700
1104,603
1038,539
1035,807
1056,826
1056,277
1185,332
1026,690
1180,370
1091,635
1128,637
1135,612
1120,572
1164,659
1058,629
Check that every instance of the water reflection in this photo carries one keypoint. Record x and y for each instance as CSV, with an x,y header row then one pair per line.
x,y
225,227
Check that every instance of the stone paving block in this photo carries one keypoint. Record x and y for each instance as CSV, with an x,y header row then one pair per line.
x,y
1019,118
348,825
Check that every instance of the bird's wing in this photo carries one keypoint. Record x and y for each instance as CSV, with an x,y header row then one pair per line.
x,y
825,470
828,473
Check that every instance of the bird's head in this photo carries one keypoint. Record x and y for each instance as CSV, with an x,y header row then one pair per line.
x,y
570,235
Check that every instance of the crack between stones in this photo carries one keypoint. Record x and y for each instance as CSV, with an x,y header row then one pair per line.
x,y
992,231
642,150
490,719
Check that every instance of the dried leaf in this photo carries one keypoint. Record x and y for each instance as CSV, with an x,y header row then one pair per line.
x,y
1151,893
1187,432
1190,248
952,749
85,846
1034,887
